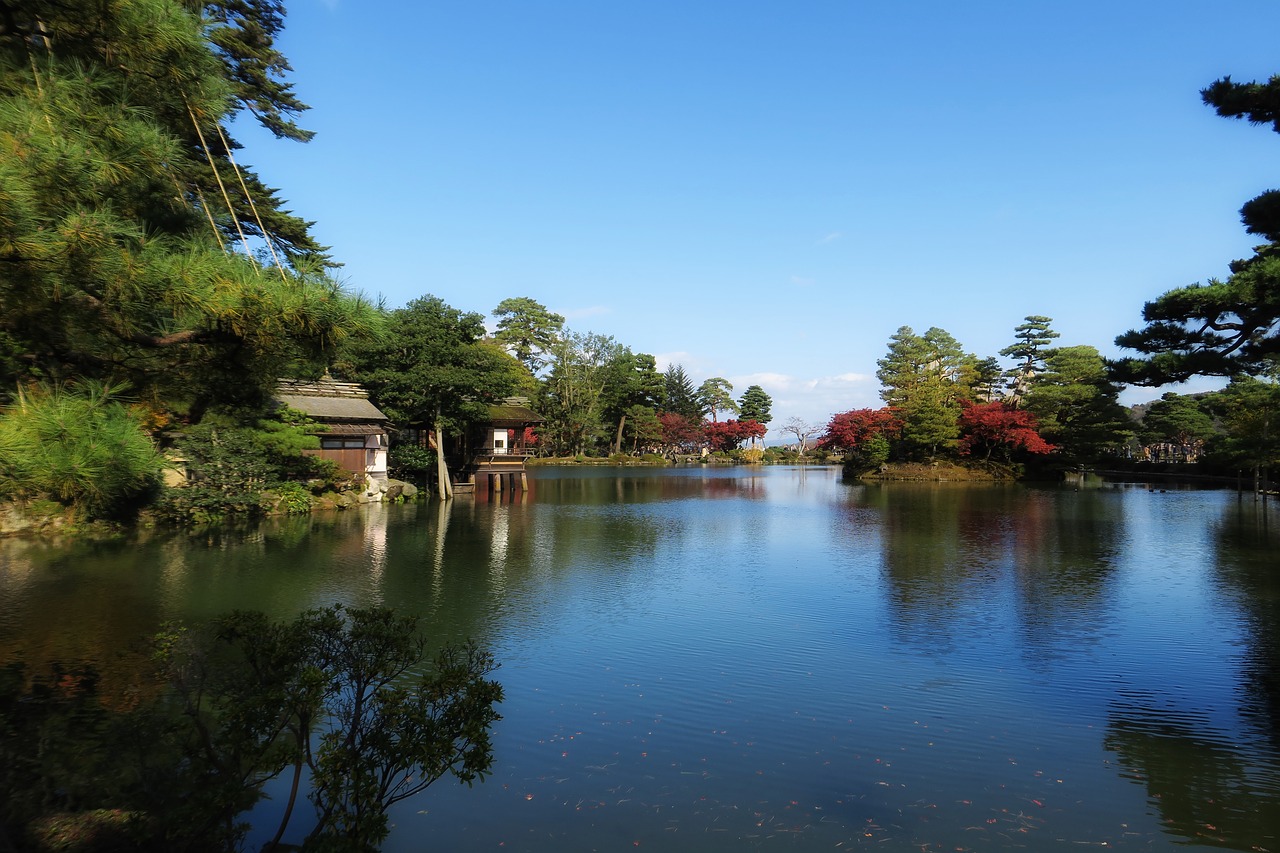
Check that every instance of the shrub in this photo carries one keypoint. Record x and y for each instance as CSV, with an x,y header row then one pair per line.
x,y
78,445
412,463
231,464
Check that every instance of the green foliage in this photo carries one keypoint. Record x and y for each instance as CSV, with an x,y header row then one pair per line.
x,y
1222,328
527,329
411,463
755,405
1030,340
643,427
573,398
925,377
1077,406
633,386
1177,419
346,697
392,733
679,395
1249,410
78,445
430,366
232,466
114,259
292,498
715,396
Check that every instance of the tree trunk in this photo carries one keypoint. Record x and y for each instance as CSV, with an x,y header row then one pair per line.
x,y
442,470
617,441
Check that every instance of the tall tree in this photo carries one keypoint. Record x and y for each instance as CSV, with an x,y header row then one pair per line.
x,y
633,382
432,367
924,378
1077,406
1224,327
528,330
755,405
1249,410
716,395
1031,338
572,397
115,234
681,397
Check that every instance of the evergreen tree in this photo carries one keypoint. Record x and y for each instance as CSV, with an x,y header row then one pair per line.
x,y
1031,338
924,379
528,330
633,384
681,398
1179,420
431,367
1223,327
1077,406
755,405
115,234
572,396
715,397
1249,410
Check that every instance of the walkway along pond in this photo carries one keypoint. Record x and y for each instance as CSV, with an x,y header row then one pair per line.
x,y
773,659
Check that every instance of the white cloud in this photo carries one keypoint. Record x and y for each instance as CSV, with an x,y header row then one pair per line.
x,y
830,238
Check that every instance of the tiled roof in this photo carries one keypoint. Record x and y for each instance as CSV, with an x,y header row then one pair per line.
x,y
329,400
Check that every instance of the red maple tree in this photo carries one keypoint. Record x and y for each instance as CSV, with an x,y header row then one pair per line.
x,y
996,425
728,435
848,430
679,432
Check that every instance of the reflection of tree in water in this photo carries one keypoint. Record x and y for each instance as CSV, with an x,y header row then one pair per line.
x,y
642,487
1064,547
1247,541
1205,789
954,556
939,560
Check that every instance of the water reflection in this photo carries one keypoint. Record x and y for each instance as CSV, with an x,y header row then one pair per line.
x,y
955,557
1247,539
727,658
1206,788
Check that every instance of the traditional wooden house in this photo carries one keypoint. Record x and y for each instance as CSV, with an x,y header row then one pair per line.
x,y
499,447
352,431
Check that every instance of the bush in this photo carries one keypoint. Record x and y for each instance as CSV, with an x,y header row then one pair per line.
x,y
78,445
230,465
412,463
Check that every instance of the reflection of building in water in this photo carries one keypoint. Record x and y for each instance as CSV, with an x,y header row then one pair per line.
x,y
499,543
375,547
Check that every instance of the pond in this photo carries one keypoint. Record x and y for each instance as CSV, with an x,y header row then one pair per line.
x,y
774,659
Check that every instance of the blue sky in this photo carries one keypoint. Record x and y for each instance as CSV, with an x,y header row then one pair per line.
x,y
766,191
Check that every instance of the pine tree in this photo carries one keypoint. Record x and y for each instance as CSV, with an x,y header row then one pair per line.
x,y
1031,338
1222,327
924,378
115,240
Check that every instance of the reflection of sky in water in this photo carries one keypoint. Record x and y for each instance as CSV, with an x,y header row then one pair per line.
x,y
769,659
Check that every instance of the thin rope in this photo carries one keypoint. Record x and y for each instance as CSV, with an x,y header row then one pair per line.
x,y
253,207
204,205
226,198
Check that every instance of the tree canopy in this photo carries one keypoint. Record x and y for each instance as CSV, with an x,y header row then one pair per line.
x,y
120,202
432,366
1222,327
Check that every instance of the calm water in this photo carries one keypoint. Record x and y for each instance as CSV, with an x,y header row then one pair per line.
x,y
771,659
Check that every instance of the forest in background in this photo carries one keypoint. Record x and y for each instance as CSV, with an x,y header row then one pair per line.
x,y
154,290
